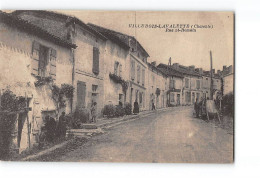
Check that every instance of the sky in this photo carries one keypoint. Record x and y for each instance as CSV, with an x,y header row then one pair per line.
x,y
186,48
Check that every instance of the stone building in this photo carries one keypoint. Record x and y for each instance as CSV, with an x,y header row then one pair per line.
x,y
157,87
88,57
135,61
116,71
32,61
174,85
228,80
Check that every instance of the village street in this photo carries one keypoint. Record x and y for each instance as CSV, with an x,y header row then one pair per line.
x,y
172,136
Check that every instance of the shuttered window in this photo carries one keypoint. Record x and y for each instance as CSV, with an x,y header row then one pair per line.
x,y
138,73
95,68
116,68
53,55
81,94
143,76
133,70
35,58
172,83
120,70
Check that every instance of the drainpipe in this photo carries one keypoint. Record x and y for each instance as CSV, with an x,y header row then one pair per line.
x,y
73,78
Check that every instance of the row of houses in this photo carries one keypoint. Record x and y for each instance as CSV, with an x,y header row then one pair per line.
x,y
102,65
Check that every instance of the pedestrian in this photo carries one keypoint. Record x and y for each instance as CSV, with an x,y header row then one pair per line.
x,y
93,112
136,108
61,128
196,107
50,126
153,106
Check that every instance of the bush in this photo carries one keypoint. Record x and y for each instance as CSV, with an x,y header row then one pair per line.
x,y
109,110
228,104
128,109
83,115
119,111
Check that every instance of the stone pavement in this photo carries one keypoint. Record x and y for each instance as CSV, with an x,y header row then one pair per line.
x,y
89,130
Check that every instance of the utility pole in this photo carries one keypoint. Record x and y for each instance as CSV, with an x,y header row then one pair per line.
x,y
211,76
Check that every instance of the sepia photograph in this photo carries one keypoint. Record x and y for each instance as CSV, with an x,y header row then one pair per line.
x,y
117,86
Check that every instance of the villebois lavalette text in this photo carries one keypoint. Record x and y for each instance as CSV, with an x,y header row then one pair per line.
x,y
173,27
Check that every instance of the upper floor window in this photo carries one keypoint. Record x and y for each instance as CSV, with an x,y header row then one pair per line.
x,y
187,81
138,73
43,61
143,76
95,68
118,69
172,83
132,70
198,84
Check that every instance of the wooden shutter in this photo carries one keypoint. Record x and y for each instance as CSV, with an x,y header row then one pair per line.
x,y
120,70
95,68
81,94
143,76
35,58
53,55
138,73
132,70
115,67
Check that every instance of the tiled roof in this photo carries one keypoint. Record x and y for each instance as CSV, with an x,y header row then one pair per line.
x,y
117,37
169,70
33,29
41,19
157,69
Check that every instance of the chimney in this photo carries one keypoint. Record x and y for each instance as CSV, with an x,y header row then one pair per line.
x,y
153,63
213,71
224,68
230,69
200,71
192,68
175,65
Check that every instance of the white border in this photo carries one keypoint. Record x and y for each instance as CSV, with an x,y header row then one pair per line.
x,y
247,119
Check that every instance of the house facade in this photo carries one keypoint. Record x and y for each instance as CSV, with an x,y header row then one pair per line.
x,y
158,87
88,57
31,55
228,80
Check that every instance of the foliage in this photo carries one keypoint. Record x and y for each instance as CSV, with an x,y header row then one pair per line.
x,y
40,81
118,79
83,115
67,90
228,104
9,102
158,91
109,110
128,109
7,124
10,105
119,111
59,94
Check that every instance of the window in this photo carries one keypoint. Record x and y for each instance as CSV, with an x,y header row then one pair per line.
x,y
116,68
133,70
95,68
187,81
143,76
43,61
94,88
138,73
120,101
172,83
81,94
198,84
141,99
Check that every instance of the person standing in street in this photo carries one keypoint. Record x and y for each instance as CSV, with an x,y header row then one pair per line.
x,y
93,112
61,128
136,108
